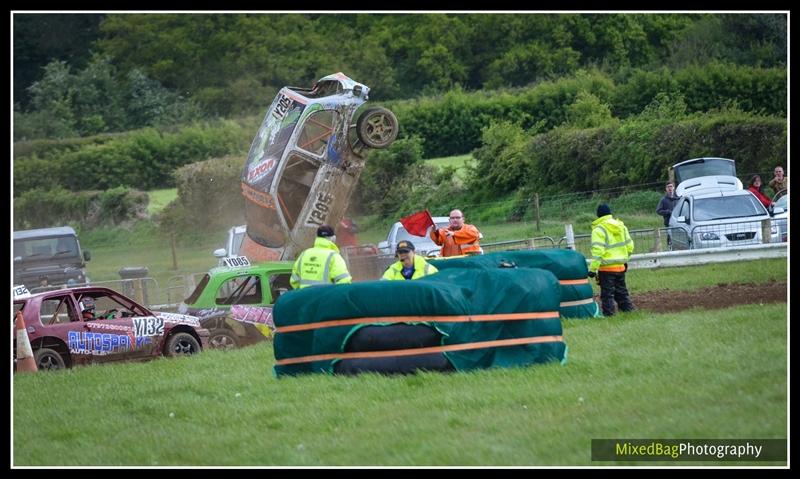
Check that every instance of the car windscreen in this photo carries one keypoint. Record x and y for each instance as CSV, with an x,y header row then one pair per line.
x,y
705,167
236,243
198,290
727,207
58,248
783,202
402,234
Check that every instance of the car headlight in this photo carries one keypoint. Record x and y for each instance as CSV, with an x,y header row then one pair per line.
x,y
709,237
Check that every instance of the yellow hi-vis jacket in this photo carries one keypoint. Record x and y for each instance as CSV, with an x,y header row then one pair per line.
x,y
421,268
321,264
611,245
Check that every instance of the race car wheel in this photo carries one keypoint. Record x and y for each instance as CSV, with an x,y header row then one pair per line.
x,y
48,359
377,127
180,344
222,339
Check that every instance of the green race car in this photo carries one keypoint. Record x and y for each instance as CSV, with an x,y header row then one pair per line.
x,y
235,302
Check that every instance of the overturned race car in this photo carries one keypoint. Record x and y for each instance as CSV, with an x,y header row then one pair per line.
x,y
305,162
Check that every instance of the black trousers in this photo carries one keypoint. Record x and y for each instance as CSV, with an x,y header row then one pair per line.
x,y
612,288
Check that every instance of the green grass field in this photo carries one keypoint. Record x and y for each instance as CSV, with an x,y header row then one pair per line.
x,y
159,199
695,374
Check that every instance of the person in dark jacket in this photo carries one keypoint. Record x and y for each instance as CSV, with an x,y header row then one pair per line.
x,y
667,203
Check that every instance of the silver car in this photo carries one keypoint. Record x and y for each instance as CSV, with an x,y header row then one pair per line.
x,y
780,215
721,218
424,246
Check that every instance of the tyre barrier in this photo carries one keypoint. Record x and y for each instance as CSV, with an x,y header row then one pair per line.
x,y
393,337
459,319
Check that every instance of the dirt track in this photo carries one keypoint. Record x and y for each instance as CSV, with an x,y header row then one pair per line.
x,y
719,296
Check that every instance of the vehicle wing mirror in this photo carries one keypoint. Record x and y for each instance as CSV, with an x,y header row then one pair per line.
x,y
220,253
383,245
777,210
681,219
87,255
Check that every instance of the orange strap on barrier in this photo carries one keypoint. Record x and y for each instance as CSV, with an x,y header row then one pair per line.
x,y
418,319
573,281
417,351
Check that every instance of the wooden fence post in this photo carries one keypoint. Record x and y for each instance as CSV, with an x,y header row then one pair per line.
x,y
174,255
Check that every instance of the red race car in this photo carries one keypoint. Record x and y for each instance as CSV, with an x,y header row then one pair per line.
x,y
87,325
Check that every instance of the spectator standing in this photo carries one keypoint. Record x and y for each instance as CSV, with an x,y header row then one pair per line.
x,y
611,247
321,264
755,188
779,182
667,203
458,238
409,265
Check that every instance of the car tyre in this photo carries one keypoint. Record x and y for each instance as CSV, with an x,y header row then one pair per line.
x,y
222,339
48,360
377,127
180,344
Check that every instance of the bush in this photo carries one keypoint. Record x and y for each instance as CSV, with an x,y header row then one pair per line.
x,y
44,208
143,159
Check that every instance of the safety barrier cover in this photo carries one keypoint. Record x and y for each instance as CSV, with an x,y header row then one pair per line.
x,y
487,317
569,267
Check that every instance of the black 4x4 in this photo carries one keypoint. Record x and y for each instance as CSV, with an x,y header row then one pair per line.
x,y
47,257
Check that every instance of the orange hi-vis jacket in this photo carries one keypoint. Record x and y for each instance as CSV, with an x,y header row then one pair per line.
x,y
463,241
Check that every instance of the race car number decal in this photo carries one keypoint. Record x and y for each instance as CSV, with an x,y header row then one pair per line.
x,y
148,326
284,104
237,261
321,208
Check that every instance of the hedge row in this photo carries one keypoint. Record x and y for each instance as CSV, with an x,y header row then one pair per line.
x,y
144,159
86,209
631,152
451,124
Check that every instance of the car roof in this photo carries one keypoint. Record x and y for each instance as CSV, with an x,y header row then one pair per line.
x,y
436,219
708,184
77,290
253,268
695,160
40,232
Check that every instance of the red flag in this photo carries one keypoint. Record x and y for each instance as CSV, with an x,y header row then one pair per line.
x,y
417,224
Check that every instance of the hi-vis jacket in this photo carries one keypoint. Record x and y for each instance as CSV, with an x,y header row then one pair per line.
x,y
321,264
421,268
463,241
611,245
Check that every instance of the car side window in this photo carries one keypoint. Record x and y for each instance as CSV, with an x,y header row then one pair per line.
x,y
685,209
316,132
57,310
278,284
240,290
294,186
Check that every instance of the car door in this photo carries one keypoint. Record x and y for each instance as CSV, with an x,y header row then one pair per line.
x,y
680,232
121,329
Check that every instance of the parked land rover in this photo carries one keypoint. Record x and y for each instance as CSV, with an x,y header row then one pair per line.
x,y
53,254
305,161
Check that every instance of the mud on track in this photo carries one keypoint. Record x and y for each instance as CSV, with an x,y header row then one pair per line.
x,y
719,296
